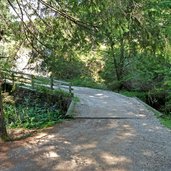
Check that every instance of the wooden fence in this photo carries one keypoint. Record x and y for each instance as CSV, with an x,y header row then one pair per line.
x,y
34,81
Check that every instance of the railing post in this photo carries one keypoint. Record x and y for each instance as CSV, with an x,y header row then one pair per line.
x,y
13,78
4,76
32,81
51,82
70,88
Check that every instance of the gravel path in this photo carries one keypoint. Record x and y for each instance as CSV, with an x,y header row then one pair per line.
x,y
111,132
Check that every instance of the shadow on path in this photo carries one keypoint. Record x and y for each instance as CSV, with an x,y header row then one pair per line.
x,y
133,140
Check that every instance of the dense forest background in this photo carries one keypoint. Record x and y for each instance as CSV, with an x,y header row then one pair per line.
x,y
121,45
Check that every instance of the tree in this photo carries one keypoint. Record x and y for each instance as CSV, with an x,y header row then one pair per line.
x,y
132,31
23,24
3,132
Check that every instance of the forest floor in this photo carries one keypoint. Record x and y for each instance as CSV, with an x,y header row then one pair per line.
x,y
110,132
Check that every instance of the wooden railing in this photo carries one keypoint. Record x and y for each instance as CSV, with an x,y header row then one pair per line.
x,y
34,81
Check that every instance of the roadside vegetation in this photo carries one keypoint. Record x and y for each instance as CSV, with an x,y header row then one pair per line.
x,y
37,108
164,116
34,109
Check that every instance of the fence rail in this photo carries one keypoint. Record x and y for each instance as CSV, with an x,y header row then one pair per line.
x,y
34,81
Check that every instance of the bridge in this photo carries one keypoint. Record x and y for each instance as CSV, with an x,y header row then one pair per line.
x,y
34,81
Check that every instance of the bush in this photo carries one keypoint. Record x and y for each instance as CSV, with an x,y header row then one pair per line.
x,y
35,109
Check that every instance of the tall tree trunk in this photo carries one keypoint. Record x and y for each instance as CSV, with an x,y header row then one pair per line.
x,y
121,63
3,132
118,72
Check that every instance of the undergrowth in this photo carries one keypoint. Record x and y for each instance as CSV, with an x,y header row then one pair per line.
x,y
165,118
138,94
22,116
87,82
25,108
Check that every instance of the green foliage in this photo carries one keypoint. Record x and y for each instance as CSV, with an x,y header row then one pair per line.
x,y
65,68
87,82
30,117
56,92
166,121
35,109
138,94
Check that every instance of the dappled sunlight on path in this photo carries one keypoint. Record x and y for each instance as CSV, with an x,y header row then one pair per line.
x,y
121,136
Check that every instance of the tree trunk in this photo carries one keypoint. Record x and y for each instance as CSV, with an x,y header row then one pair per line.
x,y
3,132
118,68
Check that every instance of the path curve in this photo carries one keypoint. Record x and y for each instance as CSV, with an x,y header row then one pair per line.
x,y
111,132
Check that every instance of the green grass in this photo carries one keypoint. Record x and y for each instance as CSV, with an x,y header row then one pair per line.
x,y
76,99
166,121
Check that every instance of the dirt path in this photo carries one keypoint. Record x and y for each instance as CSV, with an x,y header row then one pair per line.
x,y
111,133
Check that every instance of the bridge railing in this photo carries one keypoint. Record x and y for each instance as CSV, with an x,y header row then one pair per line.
x,y
34,81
